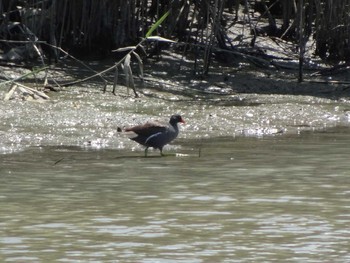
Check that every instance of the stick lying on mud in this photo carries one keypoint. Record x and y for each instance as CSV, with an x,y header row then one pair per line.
x,y
24,89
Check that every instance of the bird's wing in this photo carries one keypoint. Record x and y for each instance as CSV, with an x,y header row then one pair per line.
x,y
155,135
148,128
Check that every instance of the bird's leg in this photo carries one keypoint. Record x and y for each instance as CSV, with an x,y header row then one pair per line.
x,y
146,151
161,152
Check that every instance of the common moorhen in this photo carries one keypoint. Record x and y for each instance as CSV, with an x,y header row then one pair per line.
x,y
156,135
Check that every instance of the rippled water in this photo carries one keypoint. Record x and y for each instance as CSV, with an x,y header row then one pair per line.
x,y
281,198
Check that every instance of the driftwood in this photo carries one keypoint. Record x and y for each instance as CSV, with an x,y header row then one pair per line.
x,y
35,94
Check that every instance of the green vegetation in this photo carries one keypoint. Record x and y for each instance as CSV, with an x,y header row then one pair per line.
x,y
100,26
47,30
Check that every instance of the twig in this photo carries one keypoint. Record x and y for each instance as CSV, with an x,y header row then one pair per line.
x,y
98,74
23,76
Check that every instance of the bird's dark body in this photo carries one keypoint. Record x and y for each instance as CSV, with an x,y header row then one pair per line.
x,y
156,135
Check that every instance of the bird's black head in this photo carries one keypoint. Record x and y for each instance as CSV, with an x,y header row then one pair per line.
x,y
176,119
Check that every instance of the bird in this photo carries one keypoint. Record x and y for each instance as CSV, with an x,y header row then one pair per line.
x,y
155,134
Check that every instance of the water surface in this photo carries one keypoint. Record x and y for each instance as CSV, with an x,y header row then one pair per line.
x,y
280,198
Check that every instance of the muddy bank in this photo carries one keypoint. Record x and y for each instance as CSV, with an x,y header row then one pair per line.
x,y
229,104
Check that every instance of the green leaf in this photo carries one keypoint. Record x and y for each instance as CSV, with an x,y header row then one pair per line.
x,y
126,68
124,49
156,24
127,60
115,81
161,39
140,63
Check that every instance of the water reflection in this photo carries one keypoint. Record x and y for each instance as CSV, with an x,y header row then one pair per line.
x,y
244,200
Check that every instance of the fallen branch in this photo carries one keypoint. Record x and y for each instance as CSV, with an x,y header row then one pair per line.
x,y
24,89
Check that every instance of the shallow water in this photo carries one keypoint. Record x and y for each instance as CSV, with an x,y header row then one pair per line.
x,y
282,198
85,116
